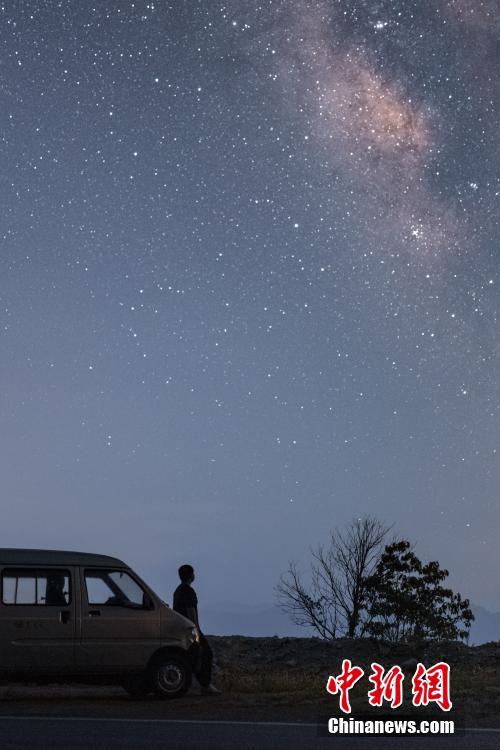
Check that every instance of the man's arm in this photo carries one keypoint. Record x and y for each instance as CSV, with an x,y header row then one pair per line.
x,y
192,614
192,606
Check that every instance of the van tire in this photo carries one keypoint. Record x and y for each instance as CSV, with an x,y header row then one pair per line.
x,y
137,686
170,675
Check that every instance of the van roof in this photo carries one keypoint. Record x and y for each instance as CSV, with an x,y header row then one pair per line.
x,y
11,556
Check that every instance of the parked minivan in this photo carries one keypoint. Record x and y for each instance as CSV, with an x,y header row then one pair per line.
x,y
74,616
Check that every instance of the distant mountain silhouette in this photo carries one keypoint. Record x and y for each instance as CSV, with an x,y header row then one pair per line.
x,y
261,620
235,618
486,626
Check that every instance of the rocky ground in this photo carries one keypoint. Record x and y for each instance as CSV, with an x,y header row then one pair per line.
x,y
284,679
297,669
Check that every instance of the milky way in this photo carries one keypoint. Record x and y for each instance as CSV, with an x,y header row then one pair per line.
x,y
249,281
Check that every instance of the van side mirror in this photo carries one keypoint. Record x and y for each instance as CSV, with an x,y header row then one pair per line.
x,y
147,602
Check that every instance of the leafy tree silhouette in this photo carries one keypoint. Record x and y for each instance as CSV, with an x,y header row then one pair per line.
x,y
407,600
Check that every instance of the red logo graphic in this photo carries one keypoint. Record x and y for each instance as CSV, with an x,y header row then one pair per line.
x,y
388,687
343,683
432,685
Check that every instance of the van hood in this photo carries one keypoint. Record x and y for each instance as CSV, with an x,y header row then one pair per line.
x,y
176,626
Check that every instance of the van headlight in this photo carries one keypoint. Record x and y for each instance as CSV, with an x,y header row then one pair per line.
x,y
196,634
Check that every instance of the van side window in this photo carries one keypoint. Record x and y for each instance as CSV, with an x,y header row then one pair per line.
x,y
35,586
114,588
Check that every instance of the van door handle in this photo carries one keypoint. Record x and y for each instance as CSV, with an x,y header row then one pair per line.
x,y
95,613
64,616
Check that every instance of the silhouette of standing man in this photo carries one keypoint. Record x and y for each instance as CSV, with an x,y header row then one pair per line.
x,y
186,603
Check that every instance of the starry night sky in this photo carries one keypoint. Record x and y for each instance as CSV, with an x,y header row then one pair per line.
x,y
250,283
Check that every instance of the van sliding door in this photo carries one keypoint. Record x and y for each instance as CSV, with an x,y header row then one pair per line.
x,y
37,622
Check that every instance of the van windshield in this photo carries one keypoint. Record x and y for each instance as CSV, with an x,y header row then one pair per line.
x,y
114,588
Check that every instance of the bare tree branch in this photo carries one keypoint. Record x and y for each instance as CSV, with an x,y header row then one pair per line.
x,y
335,603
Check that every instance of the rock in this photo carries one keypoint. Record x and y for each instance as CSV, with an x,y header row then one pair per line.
x,y
409,665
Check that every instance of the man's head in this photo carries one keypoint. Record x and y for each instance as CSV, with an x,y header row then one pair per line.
x,y
186,573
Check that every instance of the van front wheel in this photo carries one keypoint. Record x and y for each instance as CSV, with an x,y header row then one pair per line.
x,y
171,675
